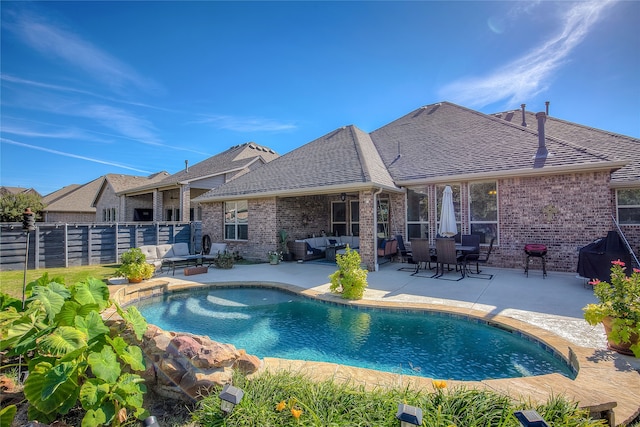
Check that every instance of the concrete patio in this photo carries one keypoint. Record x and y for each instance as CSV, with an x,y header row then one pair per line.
x,y
548,308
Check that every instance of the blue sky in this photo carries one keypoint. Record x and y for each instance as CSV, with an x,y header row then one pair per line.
x,y
90,88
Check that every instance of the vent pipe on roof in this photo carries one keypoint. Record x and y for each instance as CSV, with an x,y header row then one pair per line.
x,y
186,165
542,117
547,105
524,122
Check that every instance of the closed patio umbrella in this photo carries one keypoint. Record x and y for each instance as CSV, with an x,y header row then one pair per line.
x,y
448,227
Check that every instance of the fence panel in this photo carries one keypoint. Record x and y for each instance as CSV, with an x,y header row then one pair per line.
x,y
62,245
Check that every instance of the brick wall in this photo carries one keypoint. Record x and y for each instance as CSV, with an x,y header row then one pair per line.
x,y
108,199
305,216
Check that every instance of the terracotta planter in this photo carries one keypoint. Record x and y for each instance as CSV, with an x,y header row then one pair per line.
x,y
135,280
623,347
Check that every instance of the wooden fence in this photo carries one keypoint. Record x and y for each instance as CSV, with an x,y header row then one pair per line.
x,y
65,245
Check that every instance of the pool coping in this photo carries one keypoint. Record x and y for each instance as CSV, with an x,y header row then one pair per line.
x,y
604,381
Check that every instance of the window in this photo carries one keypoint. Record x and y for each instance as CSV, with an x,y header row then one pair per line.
x,y
109,215
236,219
417,214
383,218
355,218
628,206
339,218
456,203
483,210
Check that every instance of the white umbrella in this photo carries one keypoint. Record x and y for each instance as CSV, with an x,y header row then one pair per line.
x,y
448,227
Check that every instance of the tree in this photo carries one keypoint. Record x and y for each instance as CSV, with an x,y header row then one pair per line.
x,y
13,205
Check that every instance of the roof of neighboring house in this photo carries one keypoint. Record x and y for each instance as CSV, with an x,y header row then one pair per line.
x,y
444,141
74,198
608,143
17,190
235,158
342,160
121,183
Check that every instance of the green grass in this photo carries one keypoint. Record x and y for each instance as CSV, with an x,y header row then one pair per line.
x,y
11,281
329,403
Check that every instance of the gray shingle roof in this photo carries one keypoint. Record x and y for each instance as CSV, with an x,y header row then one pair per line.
x,y
235,158
595,140
76,198
343,159
445,140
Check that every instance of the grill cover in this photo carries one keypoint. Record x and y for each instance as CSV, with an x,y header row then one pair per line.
x,y
594,260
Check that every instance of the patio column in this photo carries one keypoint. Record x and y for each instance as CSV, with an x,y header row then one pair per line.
x,y
185,202
367,222
157,205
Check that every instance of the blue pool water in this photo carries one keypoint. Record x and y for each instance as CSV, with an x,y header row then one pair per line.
x,y
275,323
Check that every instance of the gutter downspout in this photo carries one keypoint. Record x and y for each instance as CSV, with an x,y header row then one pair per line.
x,y
375,230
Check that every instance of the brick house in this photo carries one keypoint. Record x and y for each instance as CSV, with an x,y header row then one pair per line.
x,y
517,177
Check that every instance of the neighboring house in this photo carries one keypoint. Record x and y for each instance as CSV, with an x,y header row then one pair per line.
x,y
170,199
550,182
17,190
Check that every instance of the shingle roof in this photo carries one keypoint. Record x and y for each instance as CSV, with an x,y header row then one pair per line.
x,y
52,197
445,140
17,190
235,158
342,159
596,140
78,198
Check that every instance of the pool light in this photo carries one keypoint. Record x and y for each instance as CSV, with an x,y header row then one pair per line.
x,y
230,397
409,415
530,418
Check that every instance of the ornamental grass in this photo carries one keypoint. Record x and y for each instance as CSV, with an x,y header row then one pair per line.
x,y
291,399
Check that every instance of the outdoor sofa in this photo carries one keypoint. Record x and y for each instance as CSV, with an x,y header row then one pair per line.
x,y
315,247
177,252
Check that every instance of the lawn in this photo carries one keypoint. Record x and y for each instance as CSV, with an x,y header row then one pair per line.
x,y
11,281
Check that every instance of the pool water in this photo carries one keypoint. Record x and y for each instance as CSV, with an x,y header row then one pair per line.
x,y
275,323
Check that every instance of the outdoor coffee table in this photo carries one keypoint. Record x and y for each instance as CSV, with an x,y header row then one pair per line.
x,y
330,252
174,262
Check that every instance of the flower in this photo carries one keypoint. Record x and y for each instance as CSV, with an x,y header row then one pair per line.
x,y
280,406
296,413
620,301
439,384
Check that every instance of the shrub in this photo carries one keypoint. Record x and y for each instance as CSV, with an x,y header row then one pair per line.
x,y
134,265
72,355
224,260
350,279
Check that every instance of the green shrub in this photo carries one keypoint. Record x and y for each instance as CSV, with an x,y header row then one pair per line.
x,y
224,260
134,265
350,279
72,355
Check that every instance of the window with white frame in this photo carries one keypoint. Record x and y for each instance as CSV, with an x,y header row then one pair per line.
x,y
456,203
483,210
236,220
417,214
628,201
109,215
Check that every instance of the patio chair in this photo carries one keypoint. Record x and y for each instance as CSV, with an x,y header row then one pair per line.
x,y
405,255
471,258
421,254
471,240
446,254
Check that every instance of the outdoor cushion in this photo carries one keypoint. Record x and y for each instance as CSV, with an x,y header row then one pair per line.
x,y
180,250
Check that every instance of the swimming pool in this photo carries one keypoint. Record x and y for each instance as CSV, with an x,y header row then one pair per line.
x,y
275,323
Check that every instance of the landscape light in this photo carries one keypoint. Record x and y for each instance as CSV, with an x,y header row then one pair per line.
x,y
230,397
530,418
409,415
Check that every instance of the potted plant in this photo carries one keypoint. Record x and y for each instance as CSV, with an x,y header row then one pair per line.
x,y
224,260
135,266
283,236
274,257
618,309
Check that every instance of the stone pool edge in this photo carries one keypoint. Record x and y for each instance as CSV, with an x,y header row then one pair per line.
x,y
603,380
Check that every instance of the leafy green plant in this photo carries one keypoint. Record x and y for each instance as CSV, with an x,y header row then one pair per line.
x,y
13,205
72,355
134,265
619,301
224,260
283,236
350,279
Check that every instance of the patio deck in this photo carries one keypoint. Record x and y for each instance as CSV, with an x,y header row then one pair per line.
x,y
550,309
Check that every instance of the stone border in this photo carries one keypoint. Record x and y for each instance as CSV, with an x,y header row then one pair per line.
x,y
604,381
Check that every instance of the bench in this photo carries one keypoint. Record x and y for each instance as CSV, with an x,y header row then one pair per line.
x,y
170,255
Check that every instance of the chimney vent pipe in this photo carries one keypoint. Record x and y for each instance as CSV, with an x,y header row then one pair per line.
x,y
186,165
542,117
547,105
524,122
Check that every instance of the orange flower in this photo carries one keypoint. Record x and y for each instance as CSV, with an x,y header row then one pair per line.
x,y
439,383
296,413
594,282
618,262
280,406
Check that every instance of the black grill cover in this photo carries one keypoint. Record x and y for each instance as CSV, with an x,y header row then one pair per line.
x,y
594,260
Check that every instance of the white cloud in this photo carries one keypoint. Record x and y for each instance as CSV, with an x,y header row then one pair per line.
x,y
527,76
75,156
247,124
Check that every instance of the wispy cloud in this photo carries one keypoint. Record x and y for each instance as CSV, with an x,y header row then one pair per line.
x,y
246,124
526,76
75,156
56,42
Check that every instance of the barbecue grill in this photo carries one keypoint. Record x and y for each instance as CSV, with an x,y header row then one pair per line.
x,y
536,250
